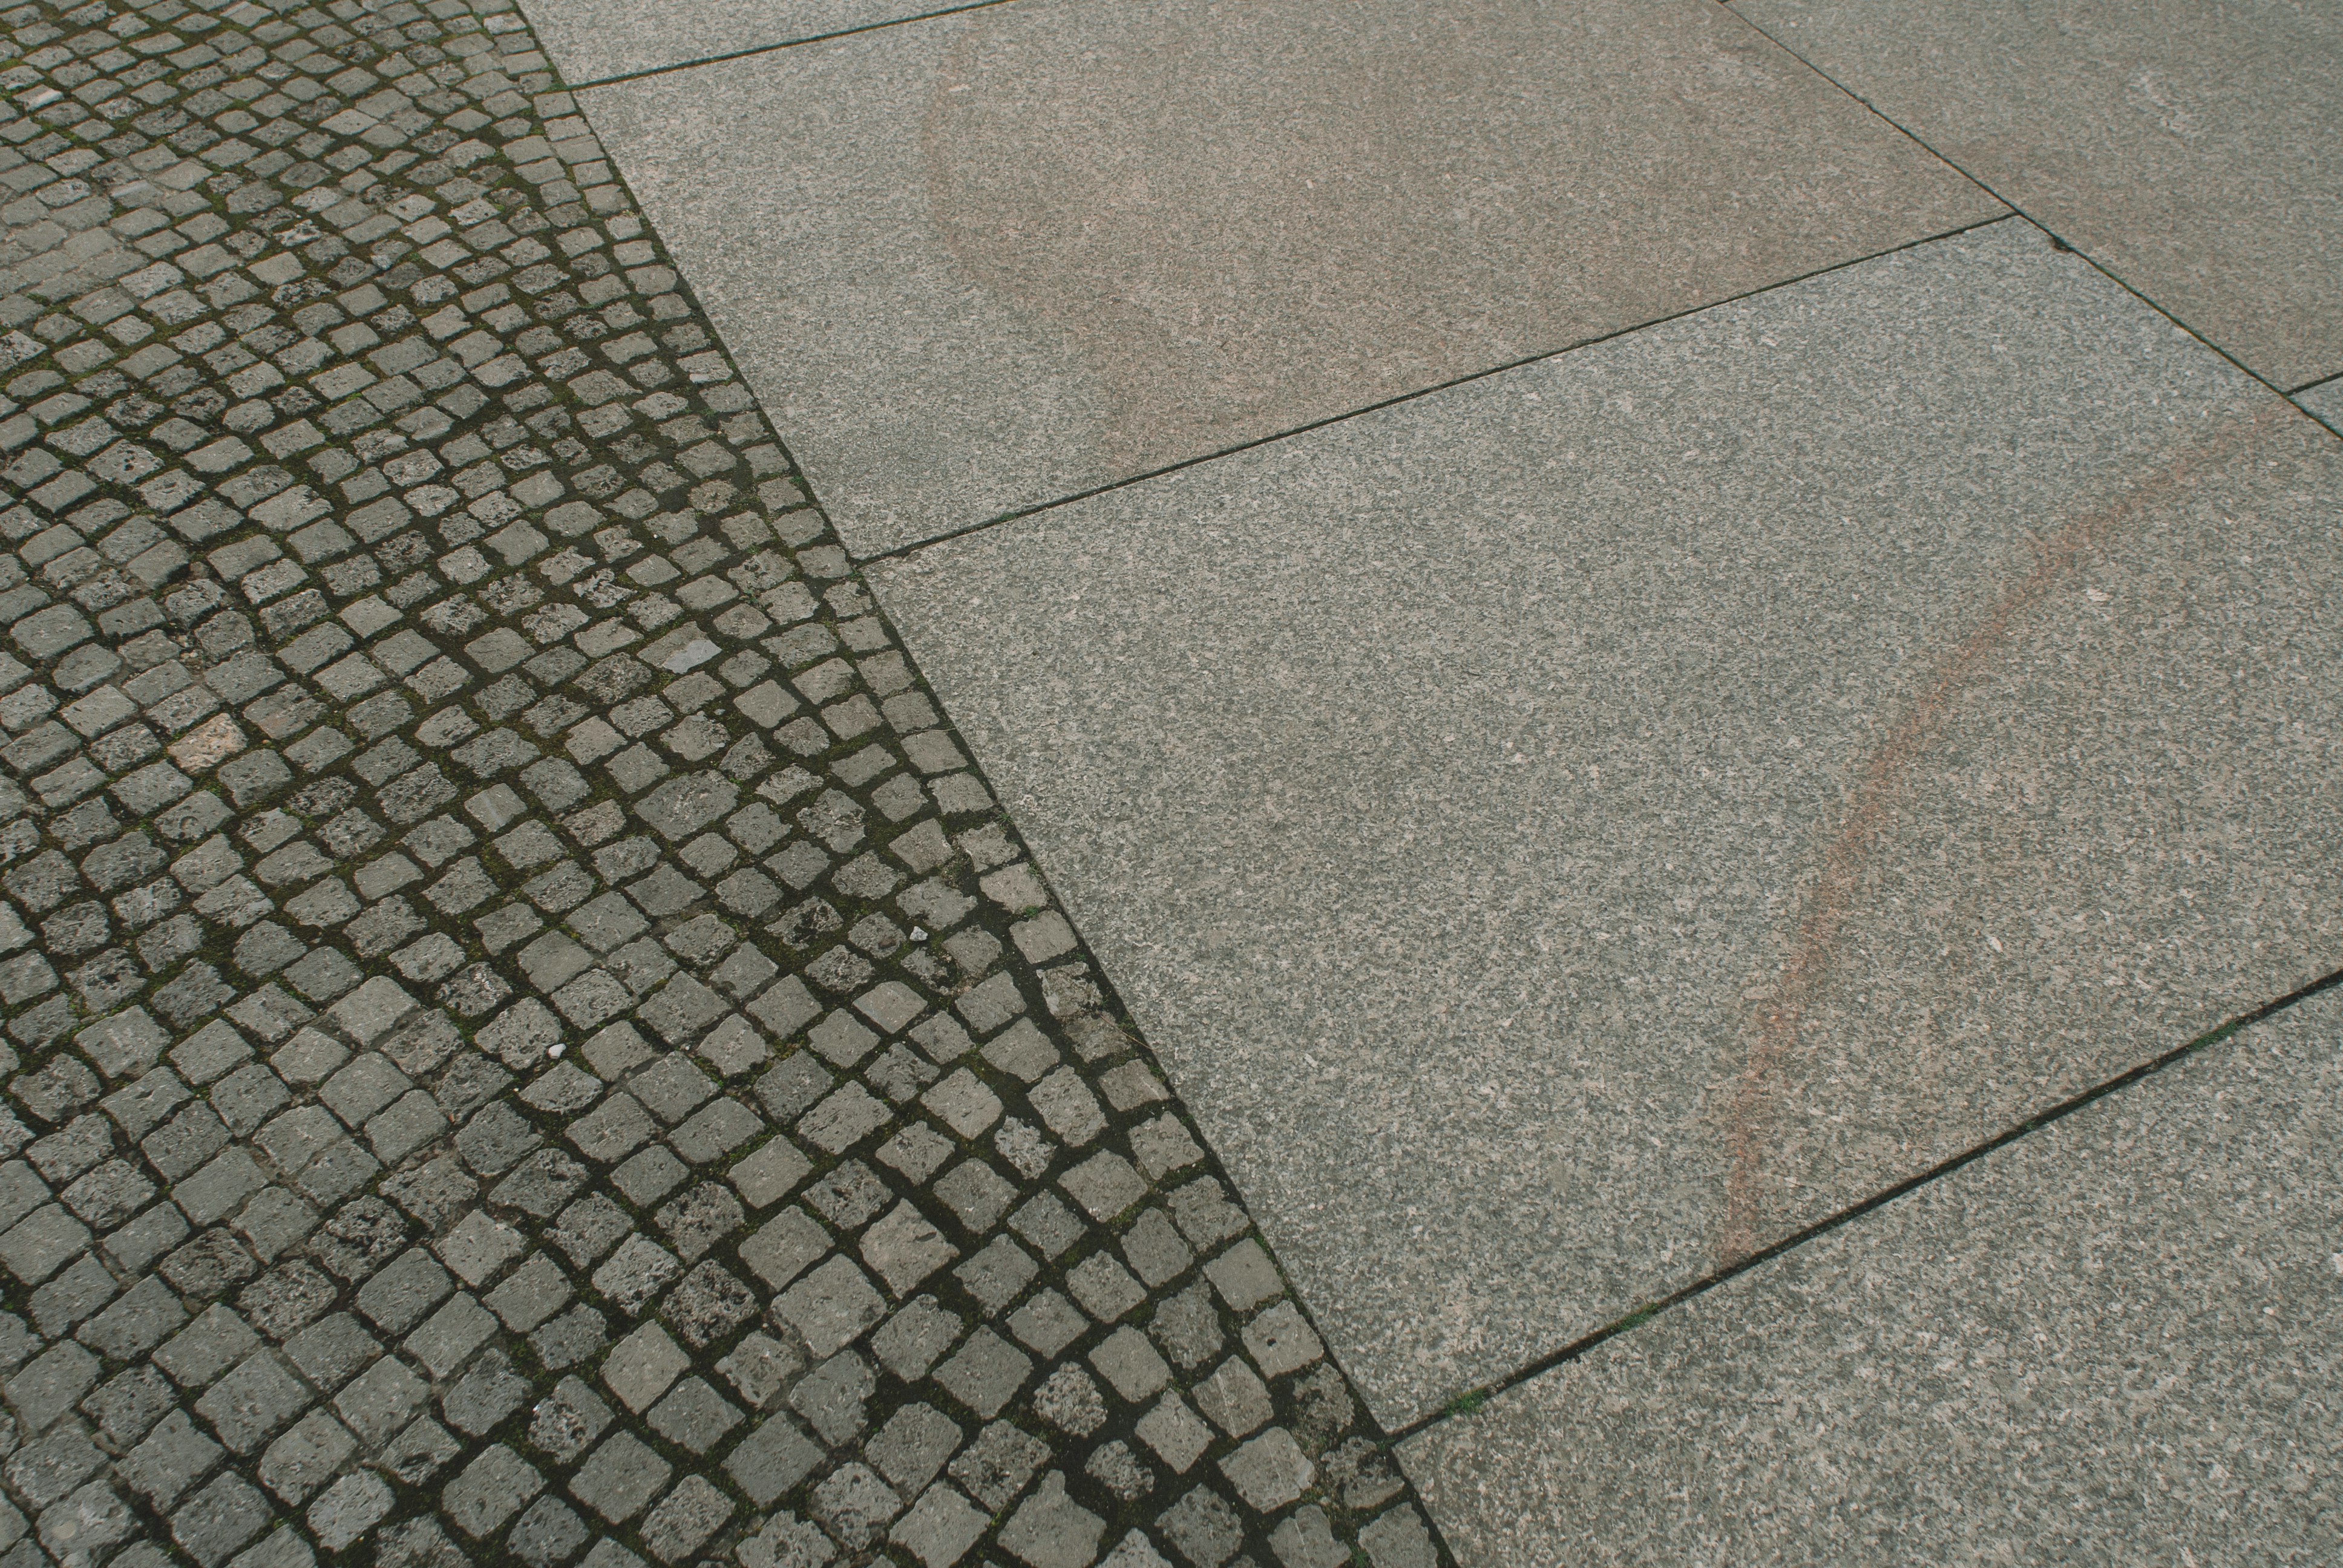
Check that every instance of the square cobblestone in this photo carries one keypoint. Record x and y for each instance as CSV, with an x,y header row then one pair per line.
x,y
771,1459
490,1489
621,1476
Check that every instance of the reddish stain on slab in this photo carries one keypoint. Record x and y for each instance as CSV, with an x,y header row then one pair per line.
x,y
1771,1034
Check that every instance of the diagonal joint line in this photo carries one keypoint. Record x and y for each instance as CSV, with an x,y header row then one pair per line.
x,y
772,48
898,552
1473,1399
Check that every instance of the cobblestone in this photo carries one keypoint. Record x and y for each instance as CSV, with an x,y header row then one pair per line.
x,y
521,1030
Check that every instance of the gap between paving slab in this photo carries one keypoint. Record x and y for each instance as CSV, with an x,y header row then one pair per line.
x,y
1350,751
2199,174
2115,1330
1472,1400
949,537
596,42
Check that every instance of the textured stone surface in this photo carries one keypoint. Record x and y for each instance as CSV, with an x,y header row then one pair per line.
x,y
989,260
592,41
1569,831
2325,402
2118,1330
482,896
2191,152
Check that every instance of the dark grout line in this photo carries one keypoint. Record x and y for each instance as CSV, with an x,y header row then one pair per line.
x,y
900,551
1472,1398
2315,386
2057,239
784,43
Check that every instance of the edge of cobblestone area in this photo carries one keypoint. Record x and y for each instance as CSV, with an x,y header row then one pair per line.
x,y
526,1040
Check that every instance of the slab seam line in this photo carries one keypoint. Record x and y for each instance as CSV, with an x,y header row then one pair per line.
x,y
901,551
2057,239
1472,1399
783,43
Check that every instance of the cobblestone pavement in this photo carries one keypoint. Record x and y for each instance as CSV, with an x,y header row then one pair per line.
x,y
525,1037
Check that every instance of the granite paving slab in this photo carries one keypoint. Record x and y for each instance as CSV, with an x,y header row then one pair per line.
x,y
2111,1340
523,1040
1568,830
595,40
2195,153
987,261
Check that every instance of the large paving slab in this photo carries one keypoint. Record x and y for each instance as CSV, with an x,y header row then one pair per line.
x,y
595,40
1571,829
2196,152
991,260
2113,1340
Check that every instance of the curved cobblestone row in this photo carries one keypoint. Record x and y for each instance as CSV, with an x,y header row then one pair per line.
x,y
525,1037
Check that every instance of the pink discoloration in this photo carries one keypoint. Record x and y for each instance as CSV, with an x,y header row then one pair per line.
x,y
1220,221
1772,1032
